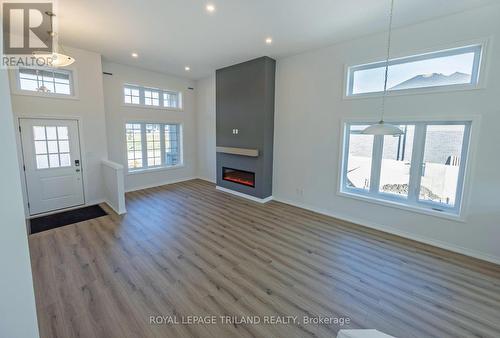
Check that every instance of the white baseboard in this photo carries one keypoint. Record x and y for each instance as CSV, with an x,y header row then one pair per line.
x,y
206,179
394,231
249,197
119,212
159,184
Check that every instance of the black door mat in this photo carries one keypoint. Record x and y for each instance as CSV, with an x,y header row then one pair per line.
x,y
65,218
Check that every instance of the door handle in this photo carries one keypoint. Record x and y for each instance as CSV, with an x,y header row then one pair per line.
x,y
77,170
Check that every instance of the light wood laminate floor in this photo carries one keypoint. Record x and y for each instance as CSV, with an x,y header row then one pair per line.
x,y
188,250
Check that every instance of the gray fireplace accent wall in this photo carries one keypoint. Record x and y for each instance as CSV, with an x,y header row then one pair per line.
x,y
245,119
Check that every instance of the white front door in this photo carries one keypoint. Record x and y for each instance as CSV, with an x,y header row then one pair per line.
x,y
52,164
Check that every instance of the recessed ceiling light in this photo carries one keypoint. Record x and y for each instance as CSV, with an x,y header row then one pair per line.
x,y
269,41
210,8
134,55
187,68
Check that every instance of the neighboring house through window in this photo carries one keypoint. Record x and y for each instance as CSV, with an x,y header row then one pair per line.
x,y
424,167
453,68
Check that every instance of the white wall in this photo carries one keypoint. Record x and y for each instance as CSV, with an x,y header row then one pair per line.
x,y
117,114
17,298
310,107
88,106
205,126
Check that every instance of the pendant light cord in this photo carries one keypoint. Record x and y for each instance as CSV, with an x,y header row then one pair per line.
x,y
387,60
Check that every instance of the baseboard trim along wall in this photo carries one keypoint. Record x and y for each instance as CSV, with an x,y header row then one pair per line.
x,y
393,231
211,180
239,194
119,212
153,185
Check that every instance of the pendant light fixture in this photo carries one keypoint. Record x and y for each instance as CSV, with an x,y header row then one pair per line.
x,y
57,58
383,128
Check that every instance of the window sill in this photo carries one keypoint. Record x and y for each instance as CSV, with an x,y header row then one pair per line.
x,y
150,170
45,96
152,107
397,205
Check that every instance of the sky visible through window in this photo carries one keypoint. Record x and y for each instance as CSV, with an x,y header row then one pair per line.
x,y
372,80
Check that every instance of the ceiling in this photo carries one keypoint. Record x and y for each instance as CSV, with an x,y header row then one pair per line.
x,y
171,34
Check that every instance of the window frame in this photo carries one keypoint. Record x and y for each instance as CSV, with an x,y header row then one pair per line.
x,y
142,101
144,149
477,77
72,83
412,201
132,87
152,91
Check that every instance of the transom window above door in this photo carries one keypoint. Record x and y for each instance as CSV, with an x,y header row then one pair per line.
x,y
422,168
51,147
45,81
152,97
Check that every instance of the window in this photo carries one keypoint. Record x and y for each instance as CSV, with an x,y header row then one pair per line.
x,y
359,158
171,99
134,145
448,68
153,145
423,168
152,97
132,95
46,81
51,147
172,141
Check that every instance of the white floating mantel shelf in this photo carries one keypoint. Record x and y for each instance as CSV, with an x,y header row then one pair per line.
x,y
238,151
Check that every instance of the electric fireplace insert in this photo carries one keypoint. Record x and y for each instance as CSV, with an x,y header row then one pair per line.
x,y
239,176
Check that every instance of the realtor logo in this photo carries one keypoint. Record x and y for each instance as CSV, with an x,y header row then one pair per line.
x,y
26,28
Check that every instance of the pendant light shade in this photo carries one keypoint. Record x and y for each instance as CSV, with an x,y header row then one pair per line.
x,y
382,128
55,59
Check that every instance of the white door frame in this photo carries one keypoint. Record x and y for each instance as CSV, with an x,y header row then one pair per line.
x,y
83,157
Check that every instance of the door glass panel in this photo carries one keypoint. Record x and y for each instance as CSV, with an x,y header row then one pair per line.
x,y
65,160
39,133
53,141
40,147
441,164
42,161
359,160
51,133
64,146
54,160
52,145
396,162
62,133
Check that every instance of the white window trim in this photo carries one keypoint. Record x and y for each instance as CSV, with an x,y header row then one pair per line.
x,y
459,212
73,77
144,168
481,71
142,104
